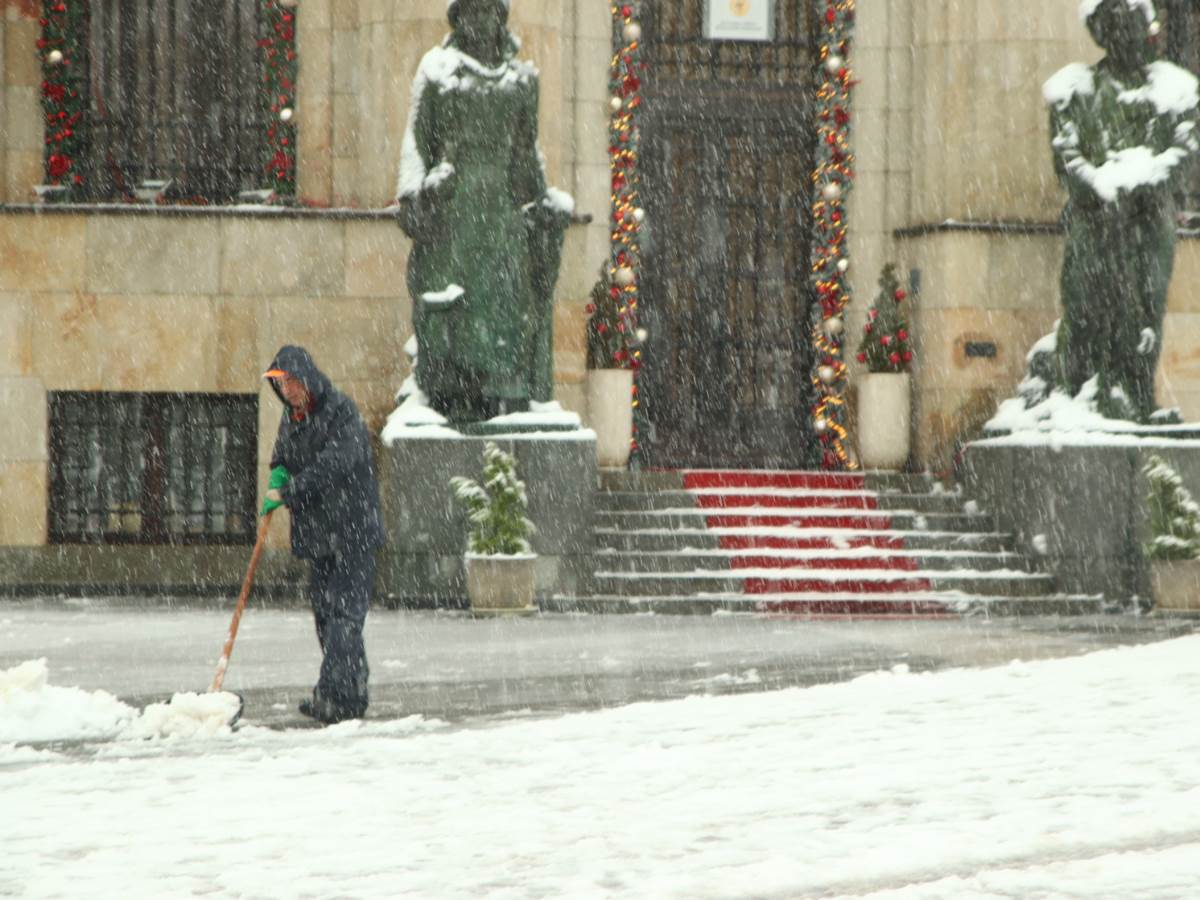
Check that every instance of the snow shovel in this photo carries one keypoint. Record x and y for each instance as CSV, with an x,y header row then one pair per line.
x,y
247,582
189,712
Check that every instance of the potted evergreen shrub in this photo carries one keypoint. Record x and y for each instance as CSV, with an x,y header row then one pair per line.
x,y
499,561
885,391
610,373
1174,545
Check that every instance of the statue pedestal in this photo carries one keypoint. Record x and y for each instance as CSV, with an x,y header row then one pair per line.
x,y
1077,500
422,564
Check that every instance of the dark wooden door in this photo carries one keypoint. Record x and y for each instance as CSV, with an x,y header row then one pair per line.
x,y
728,143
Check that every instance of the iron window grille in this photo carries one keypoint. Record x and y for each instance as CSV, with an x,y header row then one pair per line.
x,y
152,468
177,95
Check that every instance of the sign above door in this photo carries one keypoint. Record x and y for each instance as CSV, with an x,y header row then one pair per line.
x,y
740,20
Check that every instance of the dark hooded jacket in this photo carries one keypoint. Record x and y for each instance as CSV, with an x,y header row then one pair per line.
x,y
333,495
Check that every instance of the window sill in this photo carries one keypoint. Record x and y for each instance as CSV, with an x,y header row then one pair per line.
x,y
235,211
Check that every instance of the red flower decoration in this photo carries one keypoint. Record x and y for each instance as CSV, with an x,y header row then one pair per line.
x,y
902,334
895,359
900,295
886,340
58,165
862,357
908,356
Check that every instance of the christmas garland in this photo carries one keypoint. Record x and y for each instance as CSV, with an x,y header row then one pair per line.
x,y
64,95
831,181
279,79
624,264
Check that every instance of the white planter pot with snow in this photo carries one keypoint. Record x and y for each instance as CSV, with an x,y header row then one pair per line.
x,y
884,413
1176,584
610,414
501,585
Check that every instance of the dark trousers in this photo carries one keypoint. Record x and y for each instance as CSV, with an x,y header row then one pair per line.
x,y
340,592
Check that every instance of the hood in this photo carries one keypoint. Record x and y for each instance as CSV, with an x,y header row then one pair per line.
x,y
297,362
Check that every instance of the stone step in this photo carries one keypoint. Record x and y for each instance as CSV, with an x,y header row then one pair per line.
x,y
753,582
712,539
817,518
848,561
635,501
812,605
641,481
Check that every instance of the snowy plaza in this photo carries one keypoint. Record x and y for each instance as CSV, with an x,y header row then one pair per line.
x,y
897,774
512,449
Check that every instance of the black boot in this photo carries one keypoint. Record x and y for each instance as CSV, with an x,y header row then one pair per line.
x,y
326,712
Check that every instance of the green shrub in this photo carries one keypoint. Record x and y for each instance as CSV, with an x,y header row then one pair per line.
x,y
1174,515
496,509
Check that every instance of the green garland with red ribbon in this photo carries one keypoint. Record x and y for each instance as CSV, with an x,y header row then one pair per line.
x,y
64,95
280,68
832,179
624,139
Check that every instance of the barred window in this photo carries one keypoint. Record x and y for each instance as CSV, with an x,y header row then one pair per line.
x,y
177,95
152,468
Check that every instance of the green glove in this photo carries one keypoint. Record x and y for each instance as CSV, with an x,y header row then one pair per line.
x,y
279,477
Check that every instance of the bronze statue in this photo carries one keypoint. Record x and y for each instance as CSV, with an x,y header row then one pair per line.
x,y
1123,135
487,232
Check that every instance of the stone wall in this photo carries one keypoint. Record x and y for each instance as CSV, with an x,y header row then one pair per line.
x,y
357,60
199,300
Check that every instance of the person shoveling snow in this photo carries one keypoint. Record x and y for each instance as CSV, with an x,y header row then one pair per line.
x,y
34,711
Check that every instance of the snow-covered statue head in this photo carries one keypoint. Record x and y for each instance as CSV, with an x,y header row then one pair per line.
x,y
1123,28
487,232
1123,135
480,27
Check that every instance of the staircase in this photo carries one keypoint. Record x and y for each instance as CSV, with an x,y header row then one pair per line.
x,y
805,543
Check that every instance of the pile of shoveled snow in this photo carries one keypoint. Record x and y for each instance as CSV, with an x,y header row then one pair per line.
x,y
32,710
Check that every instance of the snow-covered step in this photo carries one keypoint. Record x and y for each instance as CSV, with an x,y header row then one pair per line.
x,y
1006,582
775,499
663,539
799,560
903,520
820,605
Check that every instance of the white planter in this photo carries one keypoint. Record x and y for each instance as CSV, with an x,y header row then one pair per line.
x,y
610,414
884,411
1176,584
501,585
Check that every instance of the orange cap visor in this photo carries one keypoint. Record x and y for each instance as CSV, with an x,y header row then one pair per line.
x,y
274,373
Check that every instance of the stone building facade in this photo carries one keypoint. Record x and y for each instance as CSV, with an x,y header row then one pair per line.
x,y
953,179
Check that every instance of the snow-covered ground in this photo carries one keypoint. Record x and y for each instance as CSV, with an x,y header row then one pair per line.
x,y
1075,777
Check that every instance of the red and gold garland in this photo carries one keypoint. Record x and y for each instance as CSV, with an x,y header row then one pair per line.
x,y
64,97
279,79
832,179
625,101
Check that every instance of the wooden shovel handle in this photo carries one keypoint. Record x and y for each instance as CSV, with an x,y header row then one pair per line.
x,y
223,664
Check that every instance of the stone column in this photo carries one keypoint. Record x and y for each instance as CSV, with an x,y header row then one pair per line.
x,y
314,100
20,104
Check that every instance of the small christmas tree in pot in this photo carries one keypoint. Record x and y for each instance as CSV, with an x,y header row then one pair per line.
x,y
500,564
610,362
1173,550
885,392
